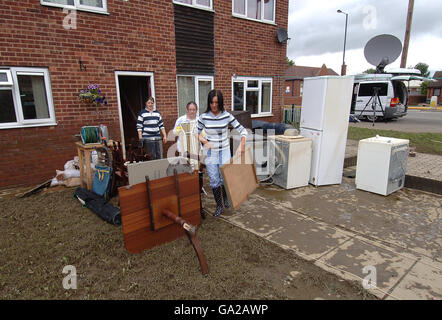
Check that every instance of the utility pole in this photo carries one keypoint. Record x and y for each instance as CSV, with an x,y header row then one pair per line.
x,y
407,33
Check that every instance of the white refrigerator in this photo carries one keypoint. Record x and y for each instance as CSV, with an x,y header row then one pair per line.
x,y
325,112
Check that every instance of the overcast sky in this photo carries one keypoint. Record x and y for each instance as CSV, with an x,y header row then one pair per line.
x,y
316,31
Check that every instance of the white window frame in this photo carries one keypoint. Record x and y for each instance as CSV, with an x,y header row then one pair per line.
x,y
21,122
8,81
78,6
260,80
195,5
197,78
244,16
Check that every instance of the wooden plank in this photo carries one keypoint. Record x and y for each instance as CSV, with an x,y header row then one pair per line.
x,y
135,213
240,178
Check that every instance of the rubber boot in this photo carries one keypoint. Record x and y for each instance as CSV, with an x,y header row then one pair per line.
x,y
219,201
225,198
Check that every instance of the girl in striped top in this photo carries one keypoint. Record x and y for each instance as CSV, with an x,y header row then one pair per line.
x,y
149,126
215,122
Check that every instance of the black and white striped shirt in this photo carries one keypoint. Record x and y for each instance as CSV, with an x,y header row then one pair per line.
x,y
150,123
216,128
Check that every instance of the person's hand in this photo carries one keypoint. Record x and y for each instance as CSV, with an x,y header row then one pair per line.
x,y
164,140
208,145
240,151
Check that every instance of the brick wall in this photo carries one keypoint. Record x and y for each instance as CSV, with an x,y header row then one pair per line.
x,y
295,90
134,37
138,35
249,48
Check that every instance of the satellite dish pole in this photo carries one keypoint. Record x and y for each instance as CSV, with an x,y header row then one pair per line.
x,y
407,33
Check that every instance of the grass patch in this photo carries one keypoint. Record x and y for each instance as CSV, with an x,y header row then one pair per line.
x,y
423,142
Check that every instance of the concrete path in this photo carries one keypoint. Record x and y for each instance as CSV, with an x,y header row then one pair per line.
x,y
344,230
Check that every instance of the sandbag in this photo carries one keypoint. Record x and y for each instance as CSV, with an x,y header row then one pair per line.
x,y
99,206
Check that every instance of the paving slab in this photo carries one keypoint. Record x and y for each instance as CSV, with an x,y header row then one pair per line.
x,y
422,282
310,239
355,257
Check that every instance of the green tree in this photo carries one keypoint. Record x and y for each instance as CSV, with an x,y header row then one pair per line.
x,y
370,71
289,61
424,86
423,67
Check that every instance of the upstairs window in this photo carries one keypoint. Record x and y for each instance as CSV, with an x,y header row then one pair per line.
x,y
98,6
259,10
201,4
26,98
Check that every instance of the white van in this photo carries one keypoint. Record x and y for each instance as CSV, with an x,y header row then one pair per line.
x,y
392,93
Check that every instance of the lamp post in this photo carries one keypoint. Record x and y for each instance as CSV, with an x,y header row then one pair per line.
x,y
344,67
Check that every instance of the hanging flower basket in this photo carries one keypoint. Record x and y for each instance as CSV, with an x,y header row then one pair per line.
x,y
93,95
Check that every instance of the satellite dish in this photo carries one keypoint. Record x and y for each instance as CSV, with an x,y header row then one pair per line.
x,y
382,50
282,35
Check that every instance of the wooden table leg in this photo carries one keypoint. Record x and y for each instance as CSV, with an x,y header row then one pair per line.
x,y
88,169
81,165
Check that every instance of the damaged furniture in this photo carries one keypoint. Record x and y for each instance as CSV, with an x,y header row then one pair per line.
x,y
162,210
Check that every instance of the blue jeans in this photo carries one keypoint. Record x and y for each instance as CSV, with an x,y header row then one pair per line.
x,y
215,160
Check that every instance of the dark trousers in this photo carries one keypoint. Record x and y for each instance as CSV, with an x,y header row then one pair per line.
x,y
153,147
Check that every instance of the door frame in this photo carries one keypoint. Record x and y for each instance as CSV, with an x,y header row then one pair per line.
x,y
120,114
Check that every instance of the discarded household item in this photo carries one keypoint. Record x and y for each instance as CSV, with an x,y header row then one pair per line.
x,y
240,179
155,169
160,211
275,127
37,189
84,162
243,117
99,206
69,182
381,164
102,184
90,134
325,112
293,161
104,133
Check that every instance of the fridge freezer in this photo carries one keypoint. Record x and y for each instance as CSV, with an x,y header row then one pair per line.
x,y
328,154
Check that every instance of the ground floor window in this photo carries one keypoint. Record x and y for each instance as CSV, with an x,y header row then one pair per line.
x,y
437,92
26,99
193,88
252,94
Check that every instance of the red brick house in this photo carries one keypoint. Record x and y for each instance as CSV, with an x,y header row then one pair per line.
x,y
175,50
435,87
294,79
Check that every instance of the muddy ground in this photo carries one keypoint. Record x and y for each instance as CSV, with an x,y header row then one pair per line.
x,y
41,234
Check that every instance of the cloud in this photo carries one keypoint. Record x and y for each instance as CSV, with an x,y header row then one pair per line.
x,y
315,28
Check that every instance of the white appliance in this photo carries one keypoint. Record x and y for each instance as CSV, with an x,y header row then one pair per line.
x,y
381,164
325,112
293,156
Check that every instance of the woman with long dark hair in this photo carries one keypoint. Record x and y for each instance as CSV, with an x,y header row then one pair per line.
x,y
215,122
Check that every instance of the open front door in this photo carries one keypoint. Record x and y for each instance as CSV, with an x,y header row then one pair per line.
x,y
133,89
